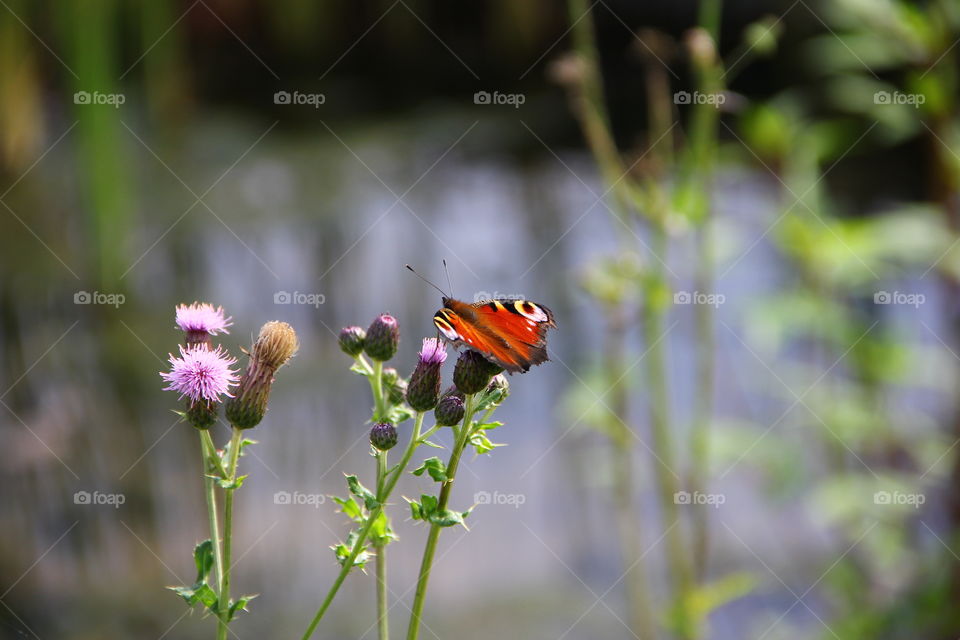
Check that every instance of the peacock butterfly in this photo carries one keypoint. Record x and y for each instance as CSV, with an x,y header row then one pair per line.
x,y
510,333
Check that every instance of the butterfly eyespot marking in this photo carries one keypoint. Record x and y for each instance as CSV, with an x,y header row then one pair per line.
x,y
445,328
530,311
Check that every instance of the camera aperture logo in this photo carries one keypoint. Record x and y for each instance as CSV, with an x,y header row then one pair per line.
x,y
899,97
914,500
297,98
710,499
297,498
98,98
696,297
697,97
98,498
899,298
510,499
512,99
486,296
299,297
97,297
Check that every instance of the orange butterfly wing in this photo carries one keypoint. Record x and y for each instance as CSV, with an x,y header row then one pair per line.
x,y
511,333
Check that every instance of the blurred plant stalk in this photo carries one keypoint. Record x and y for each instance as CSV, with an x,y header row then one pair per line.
x,y
640,194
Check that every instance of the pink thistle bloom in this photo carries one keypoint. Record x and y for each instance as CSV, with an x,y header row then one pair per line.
x,y
201,373
201,317
433,351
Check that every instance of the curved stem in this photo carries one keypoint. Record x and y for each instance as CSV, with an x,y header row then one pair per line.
x,y
362,536
426,564
224,599
209,452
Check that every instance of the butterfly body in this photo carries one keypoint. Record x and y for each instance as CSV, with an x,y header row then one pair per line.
x,y
510,333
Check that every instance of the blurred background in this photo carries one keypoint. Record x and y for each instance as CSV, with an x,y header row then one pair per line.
x,y
744,215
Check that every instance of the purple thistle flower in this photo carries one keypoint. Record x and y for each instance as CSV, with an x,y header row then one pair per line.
x,y
201,373
433,352
201,317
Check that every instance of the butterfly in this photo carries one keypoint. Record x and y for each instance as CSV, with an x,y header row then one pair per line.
x,y
509,333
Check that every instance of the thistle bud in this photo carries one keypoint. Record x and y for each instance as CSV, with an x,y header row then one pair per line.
x,y
395,386
383,436
382,338
423,391
499,385
275,345
449,411
472,372
202,414
352,340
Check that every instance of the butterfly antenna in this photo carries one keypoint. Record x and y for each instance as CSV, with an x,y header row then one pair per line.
x,y
447,271
427,281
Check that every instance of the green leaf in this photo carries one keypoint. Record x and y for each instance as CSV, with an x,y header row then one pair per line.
x,y
343,549
482,443
203,558
240,604
381,534
488,425
361,370
416,511
357,489
399,413
424,509
350,507
448,518
429,503
201,593
435,467
225,483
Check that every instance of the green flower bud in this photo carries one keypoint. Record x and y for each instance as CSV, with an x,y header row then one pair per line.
x,y
449,411
499,385
202,414
472,372
395,386
383,336
352,340
383,436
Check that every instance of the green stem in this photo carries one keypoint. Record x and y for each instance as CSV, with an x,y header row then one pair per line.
x,y
426,564
667,481
380,561
362,537
209,452
224,599
699,171
376,387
